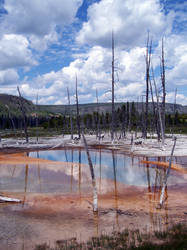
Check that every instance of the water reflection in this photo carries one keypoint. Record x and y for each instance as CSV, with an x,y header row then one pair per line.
x,y
114,173
114,161
108,166
159,220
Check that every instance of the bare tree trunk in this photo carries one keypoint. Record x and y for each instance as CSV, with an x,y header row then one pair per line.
x,y
24,116
158,110
112,129
167,174
163,86
174,107
37,118
154,112
95,197
71,122
78,116
98,134
148,60
143,119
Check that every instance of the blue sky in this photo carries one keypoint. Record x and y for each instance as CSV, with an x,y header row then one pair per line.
x,y
45,44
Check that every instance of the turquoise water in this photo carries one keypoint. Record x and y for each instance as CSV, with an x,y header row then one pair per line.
x,y
110,167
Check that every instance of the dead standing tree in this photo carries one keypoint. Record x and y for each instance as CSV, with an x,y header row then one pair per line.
x,y
71,121
163,81
98,134
158,110
24,115
112,125
148,61
77,107
36,117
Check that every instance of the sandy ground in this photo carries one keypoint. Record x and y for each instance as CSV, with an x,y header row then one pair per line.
x,y
45,218
50,217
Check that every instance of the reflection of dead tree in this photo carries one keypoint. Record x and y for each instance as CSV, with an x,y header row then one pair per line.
x,y
39,176
100,169
24,115
80,172
115,186
71,169
95,197
153,195
26,181
167,175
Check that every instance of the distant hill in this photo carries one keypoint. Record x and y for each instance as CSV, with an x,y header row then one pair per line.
x,y
105,107
13,103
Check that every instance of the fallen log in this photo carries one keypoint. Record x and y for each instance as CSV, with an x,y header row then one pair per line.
x,y
8,199
164,164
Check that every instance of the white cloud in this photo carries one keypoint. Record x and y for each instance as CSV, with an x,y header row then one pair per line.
x,y
180,98
39,17
176,59
93,70
38,20
130,20
15,52
8,77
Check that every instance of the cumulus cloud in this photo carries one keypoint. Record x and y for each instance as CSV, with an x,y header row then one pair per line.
x,y
38,20
39,17
30,27
93,70
180,98
8,77
130,21
15,52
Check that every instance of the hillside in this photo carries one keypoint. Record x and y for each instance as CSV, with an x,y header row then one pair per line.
x,y
105,107
13,103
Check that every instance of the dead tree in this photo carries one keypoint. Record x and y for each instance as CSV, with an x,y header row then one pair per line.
x,y
147,60
155,120
71,122
24,115
158,109
174,107
77,107
98,134
95,196
167,175
37,118
163,81
112,127
143,118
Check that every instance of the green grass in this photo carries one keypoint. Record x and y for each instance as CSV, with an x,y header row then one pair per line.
x,y
175,238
